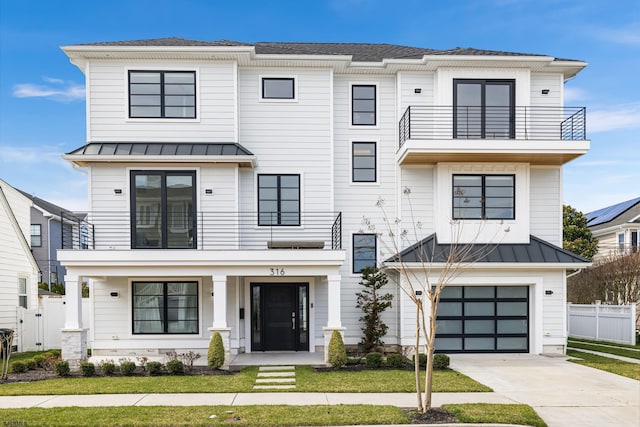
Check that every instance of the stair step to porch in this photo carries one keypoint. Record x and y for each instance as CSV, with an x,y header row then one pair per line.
x,y
277,368
275,378
276,374
273,387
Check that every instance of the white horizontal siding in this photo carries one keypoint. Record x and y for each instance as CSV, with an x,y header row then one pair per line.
x,y
417,202
546,204
544,81
408,83
108,104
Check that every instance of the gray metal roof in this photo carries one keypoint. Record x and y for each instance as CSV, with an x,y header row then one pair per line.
x,y
160,149
536,251
45,205
360,52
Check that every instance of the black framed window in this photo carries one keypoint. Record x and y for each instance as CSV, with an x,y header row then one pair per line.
x,y
363,160
163,210
483,109
278,199
36,235
363,105
165,307
364,251
484,196
162,94
278,88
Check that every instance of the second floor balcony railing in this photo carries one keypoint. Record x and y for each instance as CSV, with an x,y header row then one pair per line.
x,y
497,123
113,230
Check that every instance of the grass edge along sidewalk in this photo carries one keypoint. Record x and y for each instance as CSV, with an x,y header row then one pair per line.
x,y
631,351
277,415
608,364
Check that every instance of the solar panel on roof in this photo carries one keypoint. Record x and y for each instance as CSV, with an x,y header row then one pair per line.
x,y
610,212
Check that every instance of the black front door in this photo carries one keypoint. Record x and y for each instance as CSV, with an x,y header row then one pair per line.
x,y
279,320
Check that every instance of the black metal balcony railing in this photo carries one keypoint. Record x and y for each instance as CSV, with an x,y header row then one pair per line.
x,y
519,123
212,230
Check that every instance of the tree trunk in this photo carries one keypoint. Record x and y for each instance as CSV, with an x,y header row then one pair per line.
x,y
430,350
416,356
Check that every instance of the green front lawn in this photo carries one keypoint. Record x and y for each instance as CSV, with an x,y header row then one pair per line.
x,y
307,380
482,413
615,366
604,347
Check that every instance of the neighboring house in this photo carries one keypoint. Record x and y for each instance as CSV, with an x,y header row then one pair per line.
x,y
46,237
228,184
18,268
616,227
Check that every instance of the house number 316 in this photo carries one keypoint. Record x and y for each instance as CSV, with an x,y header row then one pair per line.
x,y
277,272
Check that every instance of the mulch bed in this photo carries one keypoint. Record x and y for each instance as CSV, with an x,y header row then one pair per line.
x,y
432,416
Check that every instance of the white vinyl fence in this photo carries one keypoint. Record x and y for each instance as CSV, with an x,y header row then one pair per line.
x,y
39,328
613,323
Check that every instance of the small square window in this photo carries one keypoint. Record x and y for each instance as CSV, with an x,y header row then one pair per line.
x,y
278,88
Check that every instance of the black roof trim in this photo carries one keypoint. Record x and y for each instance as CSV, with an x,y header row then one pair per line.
x,y
536,251
45,205
160,149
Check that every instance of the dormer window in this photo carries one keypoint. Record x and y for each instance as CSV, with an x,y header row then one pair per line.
x,y
162,94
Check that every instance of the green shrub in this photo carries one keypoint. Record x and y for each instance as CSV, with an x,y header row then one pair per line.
x,y
87,369
215,356
62,368
39,361
31,364
440,361
175,367
127,368
422,360
154,368
337,352
395,361
55,353
18,367
374,360
107,368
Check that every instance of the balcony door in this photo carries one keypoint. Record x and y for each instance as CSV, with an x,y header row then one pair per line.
x,y
163,211
484,109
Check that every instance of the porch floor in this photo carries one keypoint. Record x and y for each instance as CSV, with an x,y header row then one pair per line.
x,y
273,358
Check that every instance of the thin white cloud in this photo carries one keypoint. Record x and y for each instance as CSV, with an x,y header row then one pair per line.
x,y
573,94
57,90
629,35
625,116
32,155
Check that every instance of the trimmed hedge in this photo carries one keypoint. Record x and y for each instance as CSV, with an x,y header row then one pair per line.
x,y
374,360
175,367
127,368
87,369
395,360
154,368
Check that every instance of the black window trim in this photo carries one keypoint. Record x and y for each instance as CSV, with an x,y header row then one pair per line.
x,y
353,250
294,93
162,88
278,222
512,107
166,307
483,216
375,162
375,104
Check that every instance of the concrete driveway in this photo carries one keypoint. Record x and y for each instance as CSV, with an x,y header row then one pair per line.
x,y
561,392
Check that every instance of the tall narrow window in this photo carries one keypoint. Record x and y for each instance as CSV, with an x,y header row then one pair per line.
x,y
278,88
621,242
22,292
483,197
635,245
363,105
163,209
484,109
363,161
278,199
36,235
165,307
364,251
162,94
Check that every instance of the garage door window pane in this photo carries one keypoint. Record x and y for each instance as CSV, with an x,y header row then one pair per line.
x,y
512,291
479,327
449,326
512,326
479,344
515,343
479,309
448,344
450,309
512,309
478,291
451,292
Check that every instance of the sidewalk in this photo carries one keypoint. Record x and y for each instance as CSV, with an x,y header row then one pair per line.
x,y
609,355
402,400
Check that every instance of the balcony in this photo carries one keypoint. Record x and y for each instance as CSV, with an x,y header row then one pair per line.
x,y
537,135
111,230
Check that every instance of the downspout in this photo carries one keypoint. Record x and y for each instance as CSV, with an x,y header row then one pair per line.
x,y
49,218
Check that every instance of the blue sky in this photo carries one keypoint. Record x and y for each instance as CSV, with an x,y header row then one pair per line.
x,y
42,109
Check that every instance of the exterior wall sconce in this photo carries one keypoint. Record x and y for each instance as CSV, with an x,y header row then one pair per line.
x,y
208,191
417,90
418,293
548,292
117,190
545,91
114,295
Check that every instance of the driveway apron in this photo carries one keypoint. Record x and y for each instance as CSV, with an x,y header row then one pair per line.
x,y
561,392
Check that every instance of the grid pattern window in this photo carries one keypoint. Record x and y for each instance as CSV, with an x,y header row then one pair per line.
x,y
36,235
162,94
484,197
363,161
279,200
621,242
165,307
364,251
363,105
22,292
278,88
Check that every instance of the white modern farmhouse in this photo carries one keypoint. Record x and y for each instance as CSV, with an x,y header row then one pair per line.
x,y
228,183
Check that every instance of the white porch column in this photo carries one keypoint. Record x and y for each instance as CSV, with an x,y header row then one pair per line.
x,y
74,336
333,319
219,302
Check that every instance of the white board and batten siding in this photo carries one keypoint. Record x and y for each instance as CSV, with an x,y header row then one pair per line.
x,y
15,259
107,87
